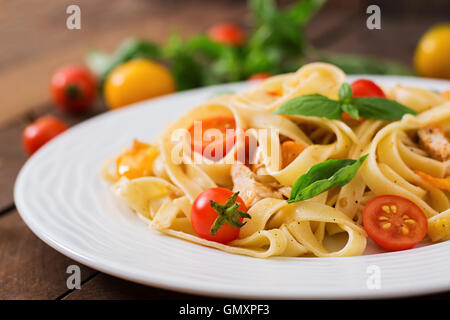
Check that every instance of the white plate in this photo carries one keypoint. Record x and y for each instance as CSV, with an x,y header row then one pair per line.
x,y
60,195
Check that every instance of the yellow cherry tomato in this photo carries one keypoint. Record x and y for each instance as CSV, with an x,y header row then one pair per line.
x,y
137,80
432,56
137,161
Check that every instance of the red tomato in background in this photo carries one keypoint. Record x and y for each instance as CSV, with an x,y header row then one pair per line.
x,y
221,123
363,88
73,88
394,223
203,215
227,33
260,76
40,132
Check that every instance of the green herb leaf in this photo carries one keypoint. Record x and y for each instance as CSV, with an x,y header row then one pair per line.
x,y
350,109
316,105
228,213
324,176
302,11
311,105
381,109
345,93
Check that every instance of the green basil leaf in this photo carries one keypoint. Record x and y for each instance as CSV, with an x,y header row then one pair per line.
x,y
324,176
381,109
302,11
345,93
350,109
311,105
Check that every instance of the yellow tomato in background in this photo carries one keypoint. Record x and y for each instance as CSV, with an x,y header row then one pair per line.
x,y
432,56
137,80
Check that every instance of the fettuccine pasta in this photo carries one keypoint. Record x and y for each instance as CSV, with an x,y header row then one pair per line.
x,y
287,146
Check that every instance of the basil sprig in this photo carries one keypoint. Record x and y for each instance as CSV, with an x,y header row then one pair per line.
x,y
317,105
324,176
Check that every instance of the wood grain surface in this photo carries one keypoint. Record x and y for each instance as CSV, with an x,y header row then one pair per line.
x,y
35,42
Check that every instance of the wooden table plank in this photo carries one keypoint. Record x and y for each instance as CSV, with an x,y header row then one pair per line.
x,y
105,287
29,269
104,25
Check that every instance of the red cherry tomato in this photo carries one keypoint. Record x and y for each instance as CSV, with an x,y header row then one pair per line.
x,y
260,76
227,33
199,143
40,132
394,223
366,88
203,215
73,88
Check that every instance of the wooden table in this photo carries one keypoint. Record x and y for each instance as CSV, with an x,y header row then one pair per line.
x,y
35,42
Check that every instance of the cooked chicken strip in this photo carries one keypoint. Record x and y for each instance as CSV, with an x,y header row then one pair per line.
x,y
434,141
251,191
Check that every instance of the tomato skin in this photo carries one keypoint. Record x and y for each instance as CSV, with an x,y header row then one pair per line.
x,y
40,132
378,212
364,88
221,123
137,161
259,76
73,88
137,80
203,215
227,33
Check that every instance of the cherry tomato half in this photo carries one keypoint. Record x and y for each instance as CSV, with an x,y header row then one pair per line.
x,y
73,88
203,215
394,223
201,142
40,132
227,33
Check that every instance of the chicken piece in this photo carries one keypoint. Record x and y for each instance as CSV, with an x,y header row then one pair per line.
x,y
285,191
251,190
434,141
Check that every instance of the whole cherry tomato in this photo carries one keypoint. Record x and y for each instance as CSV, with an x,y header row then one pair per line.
x,y
394,223
363,88
73,88
40,132
210,218
227,33
137,80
